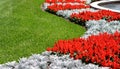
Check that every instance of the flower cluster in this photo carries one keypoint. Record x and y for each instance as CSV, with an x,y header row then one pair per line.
x,y
63,1
101,26
102,49
100,44
55,7
101,14
68,13
48,61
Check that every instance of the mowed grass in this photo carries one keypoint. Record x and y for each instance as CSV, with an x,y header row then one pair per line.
x,y
25,29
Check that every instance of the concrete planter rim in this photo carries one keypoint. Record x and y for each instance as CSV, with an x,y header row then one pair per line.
x,y
97,4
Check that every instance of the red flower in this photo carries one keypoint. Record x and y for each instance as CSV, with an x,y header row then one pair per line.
x,y
55,7
101,14
103,49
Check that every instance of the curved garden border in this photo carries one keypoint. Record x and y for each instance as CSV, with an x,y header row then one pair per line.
x,y
98,3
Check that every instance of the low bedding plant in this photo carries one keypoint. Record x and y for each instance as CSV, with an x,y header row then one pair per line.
x,y
101,26
98,48
101,14
102,49
100,43
54,7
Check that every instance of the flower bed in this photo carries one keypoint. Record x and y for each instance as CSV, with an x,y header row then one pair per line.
x,y
102,49
78,11
101,14
68,13
98,48
57,7
100,44
64,1
101,26
48,61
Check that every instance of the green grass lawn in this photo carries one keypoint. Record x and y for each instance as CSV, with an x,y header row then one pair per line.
x,y
25,29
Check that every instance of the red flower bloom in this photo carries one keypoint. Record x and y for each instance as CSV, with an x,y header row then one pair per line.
x,y
103,49
101,14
